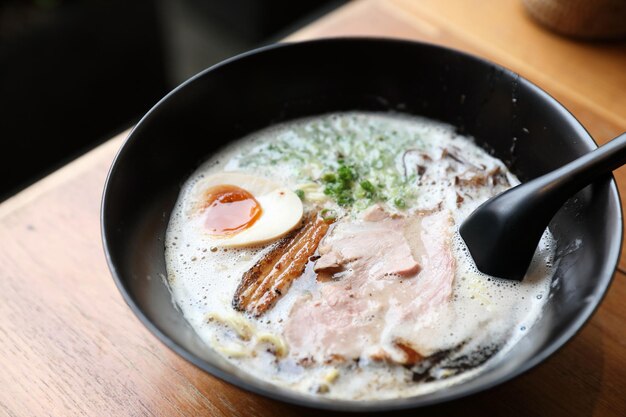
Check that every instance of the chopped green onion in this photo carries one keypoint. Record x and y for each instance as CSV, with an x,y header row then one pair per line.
x,y
367,186
352,162
328,214
329,178
346,173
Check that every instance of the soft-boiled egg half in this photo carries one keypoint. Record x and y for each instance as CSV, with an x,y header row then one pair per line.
x,y
234,209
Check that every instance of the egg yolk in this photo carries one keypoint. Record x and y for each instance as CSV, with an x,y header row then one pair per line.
x,y
229,209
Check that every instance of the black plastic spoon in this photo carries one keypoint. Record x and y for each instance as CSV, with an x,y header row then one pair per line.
x,y
503,233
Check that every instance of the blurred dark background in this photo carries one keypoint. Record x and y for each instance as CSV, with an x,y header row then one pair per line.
x,y
73,73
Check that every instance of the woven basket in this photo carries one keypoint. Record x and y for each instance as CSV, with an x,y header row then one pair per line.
x,y
587,19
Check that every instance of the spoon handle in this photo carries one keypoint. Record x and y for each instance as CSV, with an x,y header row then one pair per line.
x,y
586,169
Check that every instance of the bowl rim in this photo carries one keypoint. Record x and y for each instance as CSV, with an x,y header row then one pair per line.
x,y
303,400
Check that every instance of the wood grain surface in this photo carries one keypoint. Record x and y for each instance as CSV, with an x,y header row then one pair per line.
x,y
69,346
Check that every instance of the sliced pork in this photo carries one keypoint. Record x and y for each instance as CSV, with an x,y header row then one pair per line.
x,y
383,275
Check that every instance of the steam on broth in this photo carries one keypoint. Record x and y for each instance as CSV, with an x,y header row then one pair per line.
x,y
349,280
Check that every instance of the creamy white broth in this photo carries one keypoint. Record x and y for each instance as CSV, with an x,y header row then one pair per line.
x,y
484,317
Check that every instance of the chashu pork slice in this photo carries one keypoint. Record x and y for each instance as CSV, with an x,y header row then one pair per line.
x,y
375,248
385,279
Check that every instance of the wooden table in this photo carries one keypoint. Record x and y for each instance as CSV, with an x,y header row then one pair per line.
x,y
70,346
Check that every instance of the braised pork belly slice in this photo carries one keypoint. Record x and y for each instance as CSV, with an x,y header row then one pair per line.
x,y
271,277
388,277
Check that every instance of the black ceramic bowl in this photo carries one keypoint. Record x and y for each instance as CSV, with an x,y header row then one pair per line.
x,y
518,122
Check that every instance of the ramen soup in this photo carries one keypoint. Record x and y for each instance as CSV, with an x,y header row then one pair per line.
x,y
323,255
